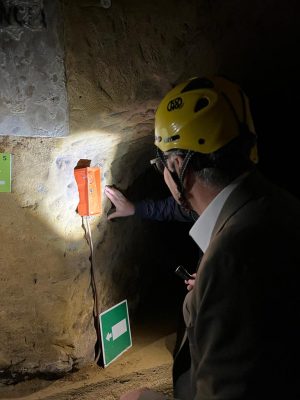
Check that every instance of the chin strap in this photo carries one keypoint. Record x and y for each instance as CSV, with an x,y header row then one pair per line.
x,y
182,172
182,198
178,178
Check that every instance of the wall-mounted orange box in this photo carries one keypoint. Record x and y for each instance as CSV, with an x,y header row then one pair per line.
x,y
89,188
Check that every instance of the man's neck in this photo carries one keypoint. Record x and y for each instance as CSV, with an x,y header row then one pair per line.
x,y
201,195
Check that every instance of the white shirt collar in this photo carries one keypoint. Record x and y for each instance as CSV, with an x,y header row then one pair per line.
x,y
202,229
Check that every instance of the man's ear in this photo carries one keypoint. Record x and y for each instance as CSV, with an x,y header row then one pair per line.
x,y
177,162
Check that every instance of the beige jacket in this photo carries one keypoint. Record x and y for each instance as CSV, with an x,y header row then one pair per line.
x,y
242,316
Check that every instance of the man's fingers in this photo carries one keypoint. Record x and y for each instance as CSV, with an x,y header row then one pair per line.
x,y
111,197
114,195
111,190
122,207
108,191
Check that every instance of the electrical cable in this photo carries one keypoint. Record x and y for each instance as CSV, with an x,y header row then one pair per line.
x,y
88,236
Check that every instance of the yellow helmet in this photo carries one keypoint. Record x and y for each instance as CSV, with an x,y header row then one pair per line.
x,y
203,115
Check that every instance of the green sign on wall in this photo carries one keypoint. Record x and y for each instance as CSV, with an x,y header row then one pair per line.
x,y
5,172
115,332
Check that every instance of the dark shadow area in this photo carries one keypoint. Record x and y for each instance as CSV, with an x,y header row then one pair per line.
x,y
276,119
168,245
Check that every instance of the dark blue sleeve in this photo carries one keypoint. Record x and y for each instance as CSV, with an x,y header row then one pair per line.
x,y
163,210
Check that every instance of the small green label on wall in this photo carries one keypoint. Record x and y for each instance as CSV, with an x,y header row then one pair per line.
x,y
5,172
115,332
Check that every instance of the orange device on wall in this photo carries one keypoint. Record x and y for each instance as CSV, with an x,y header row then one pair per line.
x,y
89,188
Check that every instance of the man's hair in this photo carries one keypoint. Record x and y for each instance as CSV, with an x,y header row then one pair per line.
x,y
224,165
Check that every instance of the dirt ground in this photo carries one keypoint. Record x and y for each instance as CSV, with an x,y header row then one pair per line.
x,y
147,363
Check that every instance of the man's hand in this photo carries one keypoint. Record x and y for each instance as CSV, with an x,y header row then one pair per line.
x,y
190,283
124,207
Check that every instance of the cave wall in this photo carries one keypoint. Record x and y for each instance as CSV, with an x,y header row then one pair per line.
x,y
119,62
33,94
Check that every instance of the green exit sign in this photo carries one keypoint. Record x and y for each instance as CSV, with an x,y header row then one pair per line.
x,y
115,332
5,172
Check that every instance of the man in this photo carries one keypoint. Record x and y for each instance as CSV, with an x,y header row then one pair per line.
x,y
242,317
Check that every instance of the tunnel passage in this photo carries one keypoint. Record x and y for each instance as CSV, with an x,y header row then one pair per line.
x,y
164,245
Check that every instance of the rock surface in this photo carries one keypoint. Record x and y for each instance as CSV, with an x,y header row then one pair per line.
x,y
119,62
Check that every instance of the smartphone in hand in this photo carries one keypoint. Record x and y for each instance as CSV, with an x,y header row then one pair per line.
x,y
183,273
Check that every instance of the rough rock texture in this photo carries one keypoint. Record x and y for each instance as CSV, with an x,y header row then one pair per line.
x,y
148,363
119,63
33,99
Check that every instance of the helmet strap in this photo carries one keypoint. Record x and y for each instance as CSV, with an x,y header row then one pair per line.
x,y
182,198
182,172
178,178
